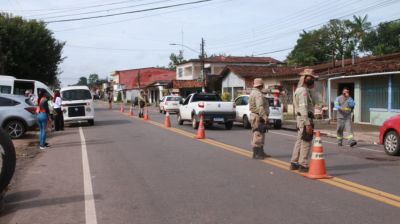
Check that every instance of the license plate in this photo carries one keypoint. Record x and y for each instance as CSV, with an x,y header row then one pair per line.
x,y
218,119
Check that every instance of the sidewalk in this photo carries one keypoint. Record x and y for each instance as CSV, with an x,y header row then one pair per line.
x,y
362,132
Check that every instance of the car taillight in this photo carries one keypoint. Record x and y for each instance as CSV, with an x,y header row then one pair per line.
x,y
200,105
31,110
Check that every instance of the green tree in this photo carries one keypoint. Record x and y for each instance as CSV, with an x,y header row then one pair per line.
x,y
93,80
360,27
175,60
384,40
29,50
82,81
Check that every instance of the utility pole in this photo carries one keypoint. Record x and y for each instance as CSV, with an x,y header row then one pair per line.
x,y
202,57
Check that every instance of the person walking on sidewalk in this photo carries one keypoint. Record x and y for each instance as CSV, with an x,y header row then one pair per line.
x,y
304,106
58,114
259,109
345,106
43,116
143,101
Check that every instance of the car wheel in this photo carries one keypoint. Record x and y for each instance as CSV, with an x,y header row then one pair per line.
x,y
91,122
229,125
15,128
246,122
7,160
391,143
180,121
195,124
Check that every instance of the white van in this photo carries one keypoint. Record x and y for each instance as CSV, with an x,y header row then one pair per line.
x,y
77,104
12,85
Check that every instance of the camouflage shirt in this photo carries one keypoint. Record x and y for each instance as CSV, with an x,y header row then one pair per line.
x,y
259,104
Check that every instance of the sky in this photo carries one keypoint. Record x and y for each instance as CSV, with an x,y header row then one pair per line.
x,y
143,39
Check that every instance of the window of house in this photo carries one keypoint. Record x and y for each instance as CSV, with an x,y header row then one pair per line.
x,y
180,72
396,92
236,91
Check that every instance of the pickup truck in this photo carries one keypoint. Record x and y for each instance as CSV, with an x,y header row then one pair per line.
x,y
211,106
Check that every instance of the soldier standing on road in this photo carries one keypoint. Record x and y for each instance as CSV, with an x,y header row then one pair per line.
x,y
345,105
143,101
304,106
259,109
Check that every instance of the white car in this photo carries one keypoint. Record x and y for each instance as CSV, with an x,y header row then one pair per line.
x,y
211,106
77,104
12,85
170,104
243,111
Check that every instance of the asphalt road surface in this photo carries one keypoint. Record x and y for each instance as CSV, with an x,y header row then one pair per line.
x,y
126,170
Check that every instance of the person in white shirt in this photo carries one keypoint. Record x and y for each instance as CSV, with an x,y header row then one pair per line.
x,y
58,115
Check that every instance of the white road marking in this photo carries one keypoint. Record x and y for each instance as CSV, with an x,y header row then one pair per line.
x,y
90,209
333,143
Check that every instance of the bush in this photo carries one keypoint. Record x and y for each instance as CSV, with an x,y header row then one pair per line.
x,y
226,96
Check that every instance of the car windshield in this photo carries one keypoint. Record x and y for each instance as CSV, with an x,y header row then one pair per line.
x,y
174,98
76,94
271,102
206,97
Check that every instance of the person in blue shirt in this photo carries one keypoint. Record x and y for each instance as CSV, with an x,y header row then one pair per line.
x,y
344,105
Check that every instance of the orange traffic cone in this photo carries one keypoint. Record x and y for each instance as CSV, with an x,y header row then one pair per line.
x,y
201,134
122,108
317,168
146,115
167,121
131,111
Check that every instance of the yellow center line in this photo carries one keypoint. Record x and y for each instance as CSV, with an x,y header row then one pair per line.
x,y
359,189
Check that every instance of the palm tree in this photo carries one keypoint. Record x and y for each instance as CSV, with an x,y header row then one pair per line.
x,y
360,26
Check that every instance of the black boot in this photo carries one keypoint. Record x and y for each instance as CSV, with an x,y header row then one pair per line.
x,y
294,166
254,152
303,169
262,153
352,143
259,154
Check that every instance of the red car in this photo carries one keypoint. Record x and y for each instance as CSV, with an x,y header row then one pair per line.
x,y
390,135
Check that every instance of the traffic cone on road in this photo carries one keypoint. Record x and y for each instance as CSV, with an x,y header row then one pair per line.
x,y
122,108
146,115
131,111
201,134
317,168
167,121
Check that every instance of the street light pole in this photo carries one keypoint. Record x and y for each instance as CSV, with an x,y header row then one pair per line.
x,y
202,57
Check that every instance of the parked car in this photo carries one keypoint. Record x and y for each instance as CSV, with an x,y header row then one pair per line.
x,y
170,104
211,106
12,85
17,114
389,136
7,162
77,104
243,111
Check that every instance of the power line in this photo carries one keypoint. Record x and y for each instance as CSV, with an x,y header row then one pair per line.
x,y
106,10
130,12
259,41
114,49
245,42
290,48
142,17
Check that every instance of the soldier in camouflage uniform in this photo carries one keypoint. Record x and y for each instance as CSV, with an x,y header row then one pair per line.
x,y
259,109
304,106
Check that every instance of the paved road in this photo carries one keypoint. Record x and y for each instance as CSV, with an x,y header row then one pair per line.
x,y
125,170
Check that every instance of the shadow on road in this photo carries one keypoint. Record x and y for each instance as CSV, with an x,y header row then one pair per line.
x,y
12,206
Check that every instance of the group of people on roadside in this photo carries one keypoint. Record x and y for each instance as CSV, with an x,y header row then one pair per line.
x,y
49,115
304,104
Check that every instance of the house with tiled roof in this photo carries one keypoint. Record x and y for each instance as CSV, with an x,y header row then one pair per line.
x,y
374,83
154,80
188,73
